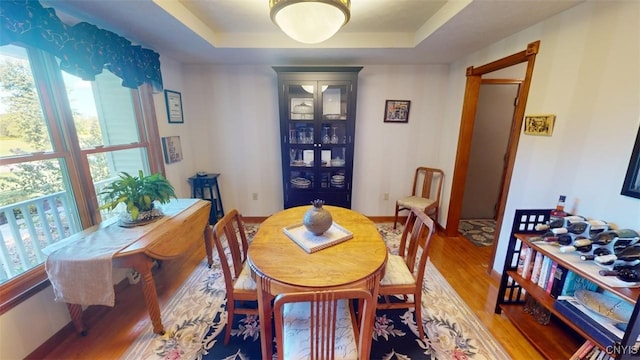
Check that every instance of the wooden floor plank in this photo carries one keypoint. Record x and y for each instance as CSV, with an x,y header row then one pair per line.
x,y
111,330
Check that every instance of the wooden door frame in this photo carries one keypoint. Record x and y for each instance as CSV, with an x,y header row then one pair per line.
x,y
469,108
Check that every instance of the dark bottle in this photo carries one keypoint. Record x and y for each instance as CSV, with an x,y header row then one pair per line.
x,y
608,236
601,251
622,244
559,230
596,227
630,253
577,227
550,237
565,239
546,237
596,252
584,249
605,259
604,237
580,245
556,223
629,234
624,273
542,227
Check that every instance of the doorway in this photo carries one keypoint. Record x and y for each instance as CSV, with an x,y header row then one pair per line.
x,y
469,109
487,159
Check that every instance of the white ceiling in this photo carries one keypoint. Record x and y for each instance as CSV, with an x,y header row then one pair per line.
x,y
379,32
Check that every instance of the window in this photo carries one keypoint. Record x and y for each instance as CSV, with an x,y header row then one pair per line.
x,y
61,140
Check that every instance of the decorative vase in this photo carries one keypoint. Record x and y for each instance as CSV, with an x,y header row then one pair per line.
x,y
317,220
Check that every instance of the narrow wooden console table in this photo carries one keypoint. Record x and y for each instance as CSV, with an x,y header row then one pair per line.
x,y
174,236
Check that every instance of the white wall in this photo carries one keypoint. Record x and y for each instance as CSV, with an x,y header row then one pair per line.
x,y
238,135
387,154
25,327
587,73
177,172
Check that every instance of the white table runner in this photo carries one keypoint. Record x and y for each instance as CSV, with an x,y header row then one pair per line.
x,y
80,267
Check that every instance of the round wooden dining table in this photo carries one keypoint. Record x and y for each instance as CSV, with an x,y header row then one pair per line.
x,y
277,262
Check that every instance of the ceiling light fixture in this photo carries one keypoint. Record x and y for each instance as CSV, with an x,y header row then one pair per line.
x,y
310,21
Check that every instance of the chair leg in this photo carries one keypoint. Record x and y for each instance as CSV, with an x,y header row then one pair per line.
x,y
395,221
230,311
418,310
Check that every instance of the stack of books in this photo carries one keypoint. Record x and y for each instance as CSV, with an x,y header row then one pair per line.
x,y
589,351
555,279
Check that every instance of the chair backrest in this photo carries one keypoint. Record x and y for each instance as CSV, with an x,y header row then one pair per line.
x,y
318,327
229,233
427,183
415,241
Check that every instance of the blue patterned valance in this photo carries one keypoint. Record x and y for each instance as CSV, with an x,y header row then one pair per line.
x,y
83,49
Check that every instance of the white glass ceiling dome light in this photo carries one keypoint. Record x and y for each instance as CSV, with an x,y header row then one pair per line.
x,y
310,21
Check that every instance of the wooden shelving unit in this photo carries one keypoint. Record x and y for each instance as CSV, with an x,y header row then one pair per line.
x,y
553,341
561,338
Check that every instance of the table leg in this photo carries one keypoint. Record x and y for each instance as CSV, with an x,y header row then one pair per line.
x,y
142,264
265,311
75,310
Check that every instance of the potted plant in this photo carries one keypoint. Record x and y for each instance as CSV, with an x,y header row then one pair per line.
x,y
139,195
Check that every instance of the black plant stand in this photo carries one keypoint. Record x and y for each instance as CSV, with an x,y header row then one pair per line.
x,y
206,187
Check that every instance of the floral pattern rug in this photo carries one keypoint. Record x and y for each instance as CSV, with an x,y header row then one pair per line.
x,y
195,318
479,232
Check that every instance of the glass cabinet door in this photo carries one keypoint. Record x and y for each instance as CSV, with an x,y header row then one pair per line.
x,y
317,135
335,135
317,119
301,134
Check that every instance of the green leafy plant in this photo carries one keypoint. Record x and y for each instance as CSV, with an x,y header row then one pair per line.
x,y
137,193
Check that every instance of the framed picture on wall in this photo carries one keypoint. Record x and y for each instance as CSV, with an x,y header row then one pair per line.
x,y
397,111
539,124
174,106
172,149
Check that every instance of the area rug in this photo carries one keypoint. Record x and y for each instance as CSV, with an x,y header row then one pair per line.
x,y
195,318
479,232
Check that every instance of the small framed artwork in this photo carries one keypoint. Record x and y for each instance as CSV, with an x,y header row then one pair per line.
x,y
631,185
172,149
539,124
397,111
174,106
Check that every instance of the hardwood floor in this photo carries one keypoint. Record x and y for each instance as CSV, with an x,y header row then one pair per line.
x,y
111,330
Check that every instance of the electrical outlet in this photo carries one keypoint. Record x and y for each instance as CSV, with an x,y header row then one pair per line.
x,y
255,196
385,196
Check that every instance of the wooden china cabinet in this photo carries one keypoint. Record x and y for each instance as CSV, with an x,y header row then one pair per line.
x,y
317,133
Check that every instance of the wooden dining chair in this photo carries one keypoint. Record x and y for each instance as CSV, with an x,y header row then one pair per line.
x,y
232,245
425,194
404,274
322,324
